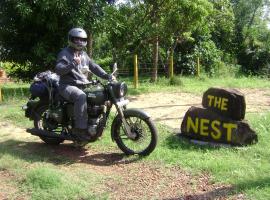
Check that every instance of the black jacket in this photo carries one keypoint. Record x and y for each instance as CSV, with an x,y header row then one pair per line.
x,y
71,73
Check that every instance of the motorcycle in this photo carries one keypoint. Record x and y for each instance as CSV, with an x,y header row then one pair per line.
x,y
132,129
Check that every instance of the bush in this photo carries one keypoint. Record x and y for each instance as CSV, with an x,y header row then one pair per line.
x,y
17,71
210,59
15,91
176,81
106,63
227,70
210,56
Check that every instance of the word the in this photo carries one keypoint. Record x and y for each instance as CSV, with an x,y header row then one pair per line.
x,y
217,102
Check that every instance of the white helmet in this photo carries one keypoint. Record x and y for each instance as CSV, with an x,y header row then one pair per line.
x,y
77,38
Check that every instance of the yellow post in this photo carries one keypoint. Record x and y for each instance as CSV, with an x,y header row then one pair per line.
x,y
198,67
1,95
136,82
171,66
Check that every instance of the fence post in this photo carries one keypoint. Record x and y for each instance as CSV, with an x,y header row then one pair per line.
x,y
171,66
198,67
1,99
136,82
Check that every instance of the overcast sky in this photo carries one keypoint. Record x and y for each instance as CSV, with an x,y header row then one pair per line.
x,y
120,1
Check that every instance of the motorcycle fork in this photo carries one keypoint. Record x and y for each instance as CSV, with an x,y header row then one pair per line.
x,y
119,109
127,129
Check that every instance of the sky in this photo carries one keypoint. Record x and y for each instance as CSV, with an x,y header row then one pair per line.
x,y
120,1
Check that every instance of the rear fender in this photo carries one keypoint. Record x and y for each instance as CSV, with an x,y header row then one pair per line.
x,y
31,108
128,112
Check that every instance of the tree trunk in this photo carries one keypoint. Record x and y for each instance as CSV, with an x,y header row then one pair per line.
x,y
155,60
90,44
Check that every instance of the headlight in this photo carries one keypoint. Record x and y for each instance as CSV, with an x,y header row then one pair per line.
x,y
120,89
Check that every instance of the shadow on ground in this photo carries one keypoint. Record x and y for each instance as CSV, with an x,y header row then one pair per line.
x,y
216,193
176,141
62,154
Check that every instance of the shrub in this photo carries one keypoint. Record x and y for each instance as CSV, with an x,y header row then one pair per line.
x,y
14,91
106,63
176,81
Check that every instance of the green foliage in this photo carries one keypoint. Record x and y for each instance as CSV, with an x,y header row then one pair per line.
x,y
252,35
19,71
175,81
223,32
209,55
39,30
106,63
254,57
222,22
13,91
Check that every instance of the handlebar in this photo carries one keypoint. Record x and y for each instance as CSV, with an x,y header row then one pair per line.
x,y
112,78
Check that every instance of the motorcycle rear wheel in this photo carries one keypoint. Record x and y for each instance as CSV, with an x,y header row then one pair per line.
x,y
38,123
144,129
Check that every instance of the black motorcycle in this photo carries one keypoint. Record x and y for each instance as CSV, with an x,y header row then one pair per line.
x,y
132,129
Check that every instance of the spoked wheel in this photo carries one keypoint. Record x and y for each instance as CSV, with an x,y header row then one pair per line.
x,y
41,123
144,134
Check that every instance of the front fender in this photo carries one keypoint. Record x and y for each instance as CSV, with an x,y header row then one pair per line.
x,y
127,113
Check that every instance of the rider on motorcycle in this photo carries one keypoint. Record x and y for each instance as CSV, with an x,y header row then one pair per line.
x,y
73,65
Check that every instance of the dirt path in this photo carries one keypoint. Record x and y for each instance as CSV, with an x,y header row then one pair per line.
x,y
170,108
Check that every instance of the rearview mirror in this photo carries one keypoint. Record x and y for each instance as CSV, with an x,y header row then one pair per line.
x,y
114,68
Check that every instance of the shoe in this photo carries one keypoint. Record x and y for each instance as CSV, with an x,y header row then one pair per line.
x,y
81,135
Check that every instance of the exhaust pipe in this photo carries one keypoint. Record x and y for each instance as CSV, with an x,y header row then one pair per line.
x,y
45,133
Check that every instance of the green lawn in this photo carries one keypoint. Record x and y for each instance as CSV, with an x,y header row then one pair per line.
x,y
196,85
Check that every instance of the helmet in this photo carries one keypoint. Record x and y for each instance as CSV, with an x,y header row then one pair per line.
x,y
77,38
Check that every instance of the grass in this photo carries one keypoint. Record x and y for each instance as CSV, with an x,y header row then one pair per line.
x,y
246,168
195,85
39,173
11,111
42,175
14,91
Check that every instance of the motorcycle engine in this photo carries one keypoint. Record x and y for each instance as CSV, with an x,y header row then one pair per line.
x,y
55,114
52,118
95,121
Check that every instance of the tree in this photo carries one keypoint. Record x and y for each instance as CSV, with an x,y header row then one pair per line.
x,y
88,14
222,24
33,32
251,35
30,34
157,24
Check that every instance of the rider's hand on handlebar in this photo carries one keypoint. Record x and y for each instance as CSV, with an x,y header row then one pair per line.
x,y
112,78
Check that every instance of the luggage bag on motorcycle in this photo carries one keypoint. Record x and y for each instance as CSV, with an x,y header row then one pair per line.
x,y
38,89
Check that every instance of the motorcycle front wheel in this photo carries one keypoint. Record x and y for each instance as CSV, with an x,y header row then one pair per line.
x,y
143,130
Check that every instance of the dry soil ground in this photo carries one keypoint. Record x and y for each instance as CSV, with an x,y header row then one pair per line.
x,y
140,180
170,108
